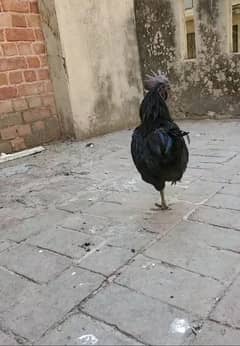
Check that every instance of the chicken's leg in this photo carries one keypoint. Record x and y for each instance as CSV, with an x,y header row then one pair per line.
x,y
162,203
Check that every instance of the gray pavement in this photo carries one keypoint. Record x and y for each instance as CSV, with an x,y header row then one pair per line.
x,y
86,258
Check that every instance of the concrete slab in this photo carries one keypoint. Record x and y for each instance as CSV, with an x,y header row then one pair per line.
x,y
196,192
21,230
172,285
65,242
13,287
231,189
7,339
130,236
218,217
216,334
224,201
80,202
38,265
236,179
38,311
109,208
106,260
80,329
228,309
89,224
197,247
5,245
146,319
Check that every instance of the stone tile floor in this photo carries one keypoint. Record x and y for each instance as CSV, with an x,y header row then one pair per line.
x,y
85,258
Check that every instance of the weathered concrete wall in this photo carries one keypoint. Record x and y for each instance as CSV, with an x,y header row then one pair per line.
x,y
207,85
101,75
56,60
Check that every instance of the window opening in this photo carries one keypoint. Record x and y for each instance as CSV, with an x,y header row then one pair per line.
x,y
236,28
190,29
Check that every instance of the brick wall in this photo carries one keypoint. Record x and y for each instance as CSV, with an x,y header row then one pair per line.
x,y
27,107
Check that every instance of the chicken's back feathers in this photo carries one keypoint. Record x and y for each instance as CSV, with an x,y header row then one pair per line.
x,y
160,156
158,148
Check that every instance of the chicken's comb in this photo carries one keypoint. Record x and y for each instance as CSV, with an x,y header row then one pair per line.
x,y
155,78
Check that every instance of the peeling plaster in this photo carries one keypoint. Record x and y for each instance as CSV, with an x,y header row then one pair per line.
x,y
210,83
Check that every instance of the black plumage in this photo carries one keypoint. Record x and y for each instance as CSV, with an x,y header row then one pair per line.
x,y
158,148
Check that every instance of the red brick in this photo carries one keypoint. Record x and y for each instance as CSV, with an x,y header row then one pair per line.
x,y
1,35
34,101
36,114
31,89
6,106
5,20
3,79
24,130
33,20
20,104
9,132
20,34
53,109
39,48
9,49
49,87
34,7
33,61
43,74
12,63
30,76
43,60
39,35
15,77
5,147
45,113
38,126
25,48
48,100
15,5
10,119
18,20
18,144
8,92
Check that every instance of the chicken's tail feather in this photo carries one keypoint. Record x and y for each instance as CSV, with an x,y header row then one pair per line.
x,y
160,143
184,133
166,141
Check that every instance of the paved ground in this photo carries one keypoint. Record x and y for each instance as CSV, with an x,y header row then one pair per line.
x,y
86,259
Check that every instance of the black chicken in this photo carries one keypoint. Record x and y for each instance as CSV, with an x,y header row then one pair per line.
x,y
158,148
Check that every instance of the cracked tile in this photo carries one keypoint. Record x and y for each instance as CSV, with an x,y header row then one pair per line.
x,y
200,248
38,265
41,308
81,327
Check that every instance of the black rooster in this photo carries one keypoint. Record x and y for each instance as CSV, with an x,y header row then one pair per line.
x,y
158,148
